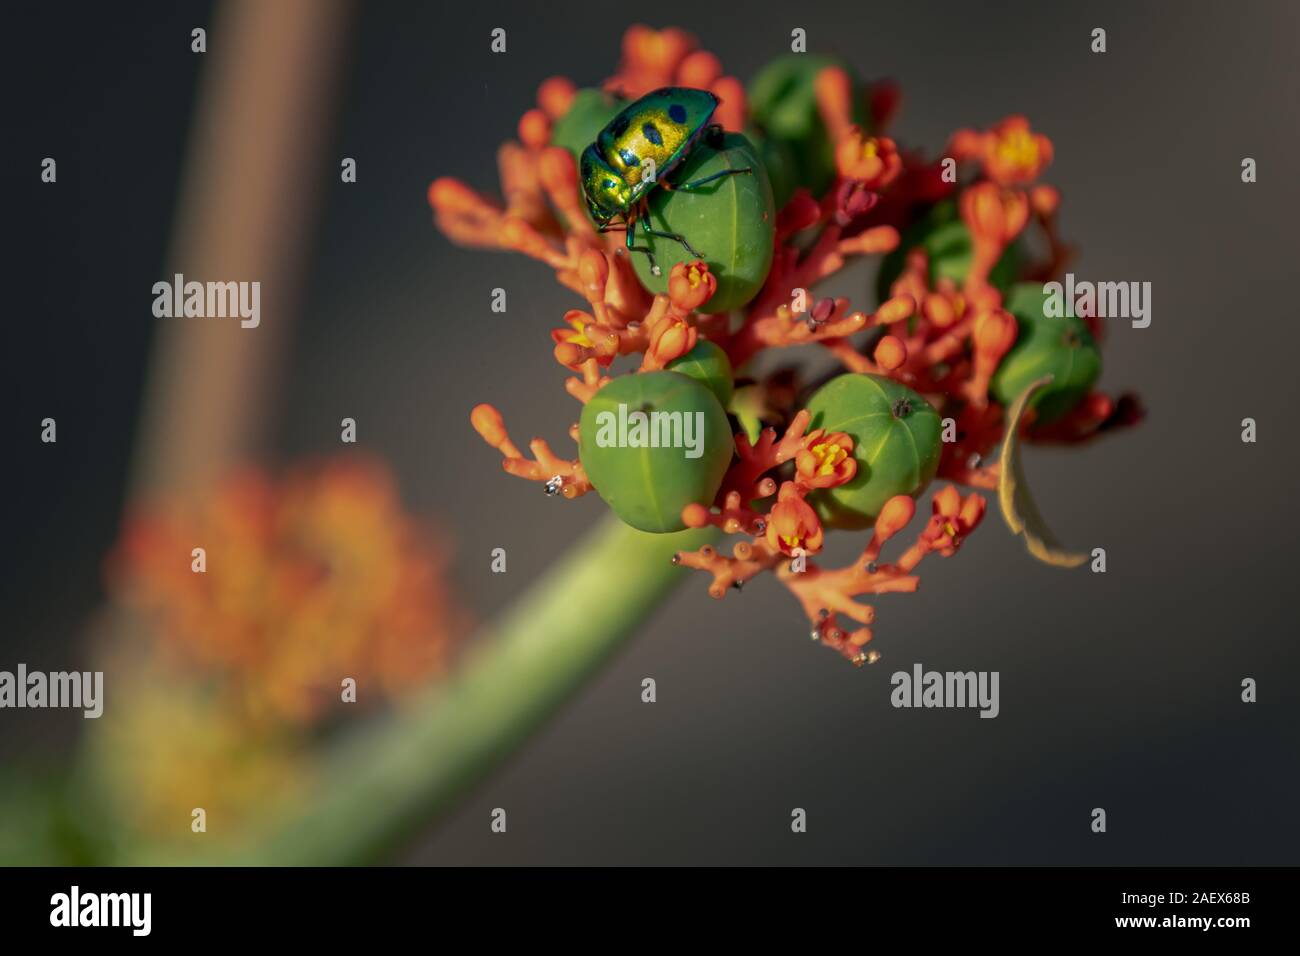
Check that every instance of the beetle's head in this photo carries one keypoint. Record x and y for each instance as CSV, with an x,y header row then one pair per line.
x,y
606,192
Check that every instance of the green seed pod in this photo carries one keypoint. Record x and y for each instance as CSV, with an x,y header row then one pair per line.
x,y
1060,347
783,102
947,244
652,443
589,114
779,158
730,221
896,442
708,364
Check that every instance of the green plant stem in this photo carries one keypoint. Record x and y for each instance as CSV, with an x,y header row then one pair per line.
x,y
388,781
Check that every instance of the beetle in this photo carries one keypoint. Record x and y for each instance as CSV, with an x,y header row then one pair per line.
x,y
658,131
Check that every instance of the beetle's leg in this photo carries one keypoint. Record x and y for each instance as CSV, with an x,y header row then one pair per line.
x,y
695,184
713,133
654,266
631,222
675,236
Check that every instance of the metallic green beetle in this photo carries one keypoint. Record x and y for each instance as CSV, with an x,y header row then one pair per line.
x,y
636,151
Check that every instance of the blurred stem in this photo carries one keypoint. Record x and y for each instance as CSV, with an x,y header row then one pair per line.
x,y
389,781
250,193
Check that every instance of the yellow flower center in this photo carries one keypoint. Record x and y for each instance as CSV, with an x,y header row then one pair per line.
x,y
579,336
828,455
869,148
1018,148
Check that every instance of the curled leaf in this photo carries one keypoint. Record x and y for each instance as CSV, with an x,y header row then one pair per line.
x,y
1018,508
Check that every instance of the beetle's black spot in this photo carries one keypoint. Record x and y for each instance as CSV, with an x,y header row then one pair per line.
x,y
677,113
628,157
902,408
619,126
608,184
651,133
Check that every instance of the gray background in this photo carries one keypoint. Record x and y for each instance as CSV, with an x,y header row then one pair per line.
x,y
1118,690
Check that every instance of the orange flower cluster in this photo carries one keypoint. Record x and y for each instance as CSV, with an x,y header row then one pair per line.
x,y
671,57
302,583
943,340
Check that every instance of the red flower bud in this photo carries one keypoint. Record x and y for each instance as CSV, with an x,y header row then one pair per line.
x,y
534,129
890,353
555,96
792,525
690,285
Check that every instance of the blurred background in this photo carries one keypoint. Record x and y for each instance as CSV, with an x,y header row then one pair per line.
x,y
1119,691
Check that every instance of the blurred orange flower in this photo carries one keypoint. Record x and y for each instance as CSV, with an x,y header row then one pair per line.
x,y
300,584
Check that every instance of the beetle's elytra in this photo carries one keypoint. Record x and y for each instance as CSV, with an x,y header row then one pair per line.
x,y
637,151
